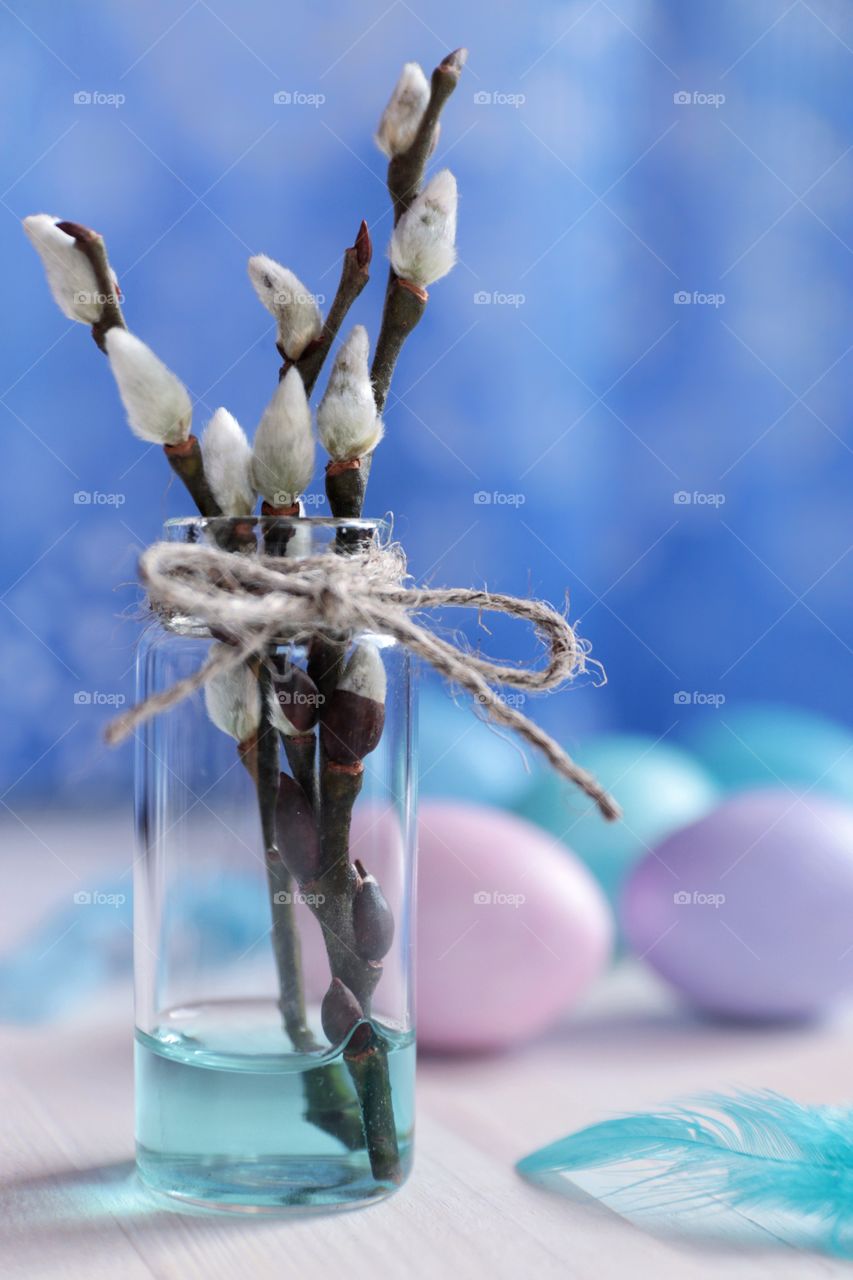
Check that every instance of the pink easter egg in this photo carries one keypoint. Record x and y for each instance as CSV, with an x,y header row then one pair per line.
x,y
511,928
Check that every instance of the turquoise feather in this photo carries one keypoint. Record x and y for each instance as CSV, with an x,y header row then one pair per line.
x,y
752,1154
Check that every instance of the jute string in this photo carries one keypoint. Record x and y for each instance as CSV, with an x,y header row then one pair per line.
x,y
256,599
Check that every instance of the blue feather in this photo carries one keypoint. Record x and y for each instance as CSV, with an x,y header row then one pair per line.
x,y
753,1154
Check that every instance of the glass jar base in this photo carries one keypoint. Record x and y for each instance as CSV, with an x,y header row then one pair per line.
x,y
269,1186
262,1129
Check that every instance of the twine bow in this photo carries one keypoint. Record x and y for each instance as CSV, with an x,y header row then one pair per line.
x,y
259,598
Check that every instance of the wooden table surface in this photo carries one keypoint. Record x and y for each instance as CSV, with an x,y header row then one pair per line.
x,y
72,1207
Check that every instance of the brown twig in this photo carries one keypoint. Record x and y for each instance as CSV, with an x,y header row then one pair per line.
x,y
345,483
404,305
301,752
354,276
368,1068
319,858
186,461
406,171
367,1059
330,1103
405,302
92,245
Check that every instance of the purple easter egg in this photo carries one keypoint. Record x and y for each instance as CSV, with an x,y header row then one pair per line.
x,y
749,912
511,930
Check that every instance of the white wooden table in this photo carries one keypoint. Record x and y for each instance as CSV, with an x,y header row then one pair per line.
x,y
72,1207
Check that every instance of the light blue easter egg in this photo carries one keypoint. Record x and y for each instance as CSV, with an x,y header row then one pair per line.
x,y
658,785
765,745
460,757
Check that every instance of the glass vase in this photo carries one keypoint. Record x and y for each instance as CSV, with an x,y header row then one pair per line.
x,y
275,1049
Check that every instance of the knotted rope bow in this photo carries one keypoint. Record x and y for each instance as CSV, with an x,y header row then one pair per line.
x,y
258,598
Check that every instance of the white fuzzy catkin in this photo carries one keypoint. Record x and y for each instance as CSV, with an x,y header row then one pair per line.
x,y
233,699
70,277
157,403
423,244
347,422
227,457
404,111
283,453
364,674
286,297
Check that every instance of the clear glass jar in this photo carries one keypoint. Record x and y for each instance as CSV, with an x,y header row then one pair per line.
x,y
274,1033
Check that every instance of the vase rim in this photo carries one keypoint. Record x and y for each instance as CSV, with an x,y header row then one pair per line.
x,y
380,523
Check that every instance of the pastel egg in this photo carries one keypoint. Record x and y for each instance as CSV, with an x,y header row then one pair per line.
x,y
460,757
763,745
511,930
659,786
749,912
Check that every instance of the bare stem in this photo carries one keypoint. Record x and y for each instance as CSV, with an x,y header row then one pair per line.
x,y
368,1067
301,752
354,276
92,245
367,1061
268,764
345,483
186,461
404,301
330,1104
404,306
331,895
406,171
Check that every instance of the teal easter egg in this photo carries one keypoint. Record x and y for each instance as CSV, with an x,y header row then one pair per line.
x,y
763,745
659,786
460,757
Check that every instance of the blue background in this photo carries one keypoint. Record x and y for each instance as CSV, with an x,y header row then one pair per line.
x,y
589,195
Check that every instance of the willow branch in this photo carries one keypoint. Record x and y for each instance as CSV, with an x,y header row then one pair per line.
x,y
330,1104
186,461
404,301
301,752
406,171
91,244
319,858
404,305
368,1067
354,276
